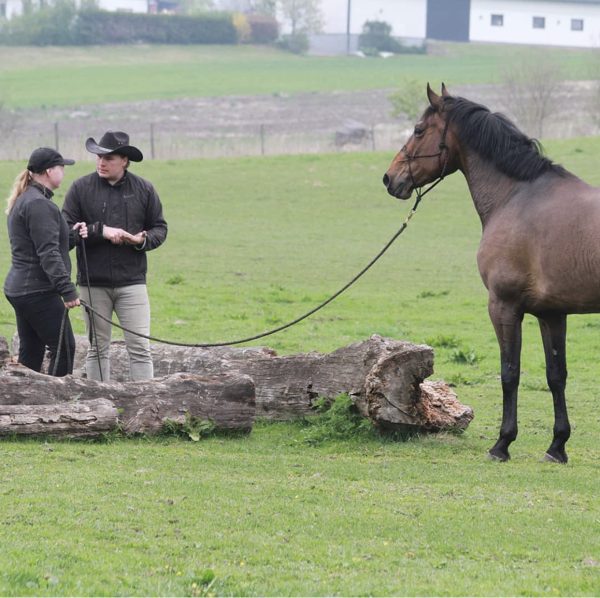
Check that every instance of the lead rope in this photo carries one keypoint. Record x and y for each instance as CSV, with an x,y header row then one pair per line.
x,y
420,195
93,337
62,338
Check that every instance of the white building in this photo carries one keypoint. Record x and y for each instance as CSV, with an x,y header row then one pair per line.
x,y
547,22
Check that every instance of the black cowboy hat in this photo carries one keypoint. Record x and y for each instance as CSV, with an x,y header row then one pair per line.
x,y
114,142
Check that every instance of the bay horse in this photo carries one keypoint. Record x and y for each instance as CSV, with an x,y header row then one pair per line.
x,y
540,246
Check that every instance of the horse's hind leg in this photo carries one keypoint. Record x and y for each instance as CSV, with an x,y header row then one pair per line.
x,y
507,324
554,330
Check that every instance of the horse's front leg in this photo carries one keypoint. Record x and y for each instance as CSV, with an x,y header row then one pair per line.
x,y
554,331
507,324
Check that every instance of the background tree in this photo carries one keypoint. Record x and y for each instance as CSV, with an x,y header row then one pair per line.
x,y
303,16
531,91
265,7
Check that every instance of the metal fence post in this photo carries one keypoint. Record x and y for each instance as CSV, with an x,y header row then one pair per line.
x,y
152,140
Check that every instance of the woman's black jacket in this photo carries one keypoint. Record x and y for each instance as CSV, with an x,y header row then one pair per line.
x,y
39,242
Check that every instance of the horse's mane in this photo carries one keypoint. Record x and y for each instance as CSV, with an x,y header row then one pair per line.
x,y
497,139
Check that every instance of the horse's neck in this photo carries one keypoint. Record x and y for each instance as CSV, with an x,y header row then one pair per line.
x,y
490,188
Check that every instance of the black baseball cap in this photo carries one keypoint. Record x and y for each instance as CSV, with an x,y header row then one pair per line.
x,y
46,157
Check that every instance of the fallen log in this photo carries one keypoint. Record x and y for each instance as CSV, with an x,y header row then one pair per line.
x,y
384,377
227,401
75,419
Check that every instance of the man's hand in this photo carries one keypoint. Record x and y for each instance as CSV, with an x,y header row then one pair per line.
x,y
117,236
135,239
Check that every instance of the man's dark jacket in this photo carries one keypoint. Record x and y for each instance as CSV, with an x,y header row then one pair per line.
x,y
39,241
131,204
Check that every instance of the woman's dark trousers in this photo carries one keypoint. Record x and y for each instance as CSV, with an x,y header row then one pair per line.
x,y
39,318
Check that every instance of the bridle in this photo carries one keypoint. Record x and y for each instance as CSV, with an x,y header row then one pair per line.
x,y
443,151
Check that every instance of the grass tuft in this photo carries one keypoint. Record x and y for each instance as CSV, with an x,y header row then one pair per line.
x,y
336,420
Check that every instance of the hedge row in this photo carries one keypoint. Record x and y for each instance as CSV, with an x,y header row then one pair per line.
x,y
63,25
119,28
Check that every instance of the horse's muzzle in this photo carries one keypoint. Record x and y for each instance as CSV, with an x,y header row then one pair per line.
x,y
398,187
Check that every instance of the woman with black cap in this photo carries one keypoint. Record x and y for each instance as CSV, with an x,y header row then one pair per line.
x,y
38,285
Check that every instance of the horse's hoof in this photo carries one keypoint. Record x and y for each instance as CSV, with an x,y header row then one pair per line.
x,y
562,459
498,456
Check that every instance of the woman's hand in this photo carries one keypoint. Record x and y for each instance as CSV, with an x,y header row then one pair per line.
x,y
82,228
72,304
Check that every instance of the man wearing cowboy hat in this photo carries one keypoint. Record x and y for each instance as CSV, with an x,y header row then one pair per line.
x,y
124,219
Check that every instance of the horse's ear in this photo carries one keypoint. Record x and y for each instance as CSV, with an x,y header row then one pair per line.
x,y
445,93
434,98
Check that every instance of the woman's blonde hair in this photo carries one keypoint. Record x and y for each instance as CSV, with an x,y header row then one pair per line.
x,y
20,184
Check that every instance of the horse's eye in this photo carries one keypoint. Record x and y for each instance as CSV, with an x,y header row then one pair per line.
x,y
419,131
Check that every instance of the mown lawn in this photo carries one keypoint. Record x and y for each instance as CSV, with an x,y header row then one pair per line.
x,y
42,77
253,243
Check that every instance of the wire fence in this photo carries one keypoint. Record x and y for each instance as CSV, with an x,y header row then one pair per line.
x,y
265,125
175,141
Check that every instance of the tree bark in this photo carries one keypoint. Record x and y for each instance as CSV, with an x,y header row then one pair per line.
x,y
228,401
73,419
384,377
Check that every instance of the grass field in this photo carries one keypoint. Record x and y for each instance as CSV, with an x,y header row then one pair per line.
x,y
74,76
253,243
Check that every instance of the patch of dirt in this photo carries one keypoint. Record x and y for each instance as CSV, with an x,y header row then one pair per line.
x,y
318,111
279,123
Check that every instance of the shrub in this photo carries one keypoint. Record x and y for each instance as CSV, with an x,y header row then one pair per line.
x,y
377,37
408,100
242,27
296,43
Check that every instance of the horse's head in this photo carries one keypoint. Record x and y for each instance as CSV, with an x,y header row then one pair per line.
x,y
428,154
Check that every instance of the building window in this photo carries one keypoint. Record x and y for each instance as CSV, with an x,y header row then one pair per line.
x,y
539,22
576,24
497,20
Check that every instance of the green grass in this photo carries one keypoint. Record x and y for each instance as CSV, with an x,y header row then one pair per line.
x,y
253,243
271,516
36,77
